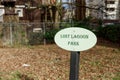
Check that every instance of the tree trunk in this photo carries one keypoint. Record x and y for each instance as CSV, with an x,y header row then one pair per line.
x,y
80,10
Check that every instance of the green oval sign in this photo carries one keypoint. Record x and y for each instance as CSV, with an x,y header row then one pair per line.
x,y
75,39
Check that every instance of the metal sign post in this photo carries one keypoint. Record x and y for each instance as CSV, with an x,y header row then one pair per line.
x,y
74,66
75,39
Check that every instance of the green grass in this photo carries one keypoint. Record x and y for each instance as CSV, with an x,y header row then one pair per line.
x,y
16,76
117,77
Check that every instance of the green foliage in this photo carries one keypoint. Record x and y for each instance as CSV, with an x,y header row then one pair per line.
x,y
111,32
86,26
49,35
82,25
16,76
65,25
35,38
117,77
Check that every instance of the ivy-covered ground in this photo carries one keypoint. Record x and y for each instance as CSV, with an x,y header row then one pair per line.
x,y
49,62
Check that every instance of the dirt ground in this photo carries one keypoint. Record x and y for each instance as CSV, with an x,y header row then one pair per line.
x,y
49,62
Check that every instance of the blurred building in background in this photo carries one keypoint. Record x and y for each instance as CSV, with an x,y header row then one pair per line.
x,y
104,9
112,9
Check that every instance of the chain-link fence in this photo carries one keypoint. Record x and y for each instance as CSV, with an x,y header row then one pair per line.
x,y
29,33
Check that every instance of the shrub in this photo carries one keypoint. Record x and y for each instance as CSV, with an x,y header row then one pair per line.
x,y
49,35
35,38
111,32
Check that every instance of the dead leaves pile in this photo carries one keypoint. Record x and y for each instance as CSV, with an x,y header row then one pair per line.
x,y
52,63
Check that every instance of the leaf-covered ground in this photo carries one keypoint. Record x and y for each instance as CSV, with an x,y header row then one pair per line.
x,y
50,62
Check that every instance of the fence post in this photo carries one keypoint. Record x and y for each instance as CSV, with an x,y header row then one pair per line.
x,y
44,31
11,35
